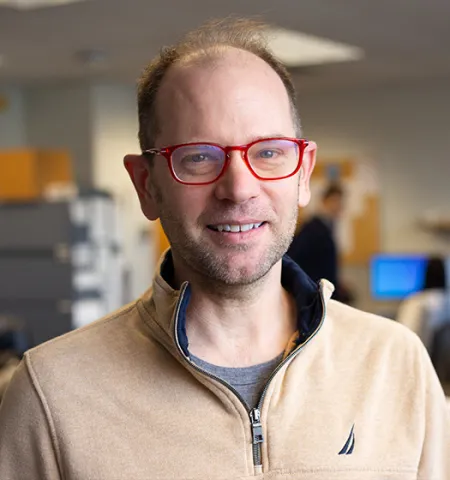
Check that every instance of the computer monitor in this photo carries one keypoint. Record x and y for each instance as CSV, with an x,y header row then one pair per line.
x,y
394,277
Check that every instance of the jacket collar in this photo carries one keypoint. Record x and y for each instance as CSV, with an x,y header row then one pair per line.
x,y
170,305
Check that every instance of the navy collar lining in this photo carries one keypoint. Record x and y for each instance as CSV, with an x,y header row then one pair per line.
x,y
305,292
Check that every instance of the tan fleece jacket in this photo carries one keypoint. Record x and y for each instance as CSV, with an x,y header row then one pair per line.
x,y
117,400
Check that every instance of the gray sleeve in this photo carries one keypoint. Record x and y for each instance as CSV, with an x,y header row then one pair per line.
x,y
27,446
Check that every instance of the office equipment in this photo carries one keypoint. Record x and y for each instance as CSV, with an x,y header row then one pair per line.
x,y
394,276
61,264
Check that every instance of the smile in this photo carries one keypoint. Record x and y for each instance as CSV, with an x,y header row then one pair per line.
x,y
235,228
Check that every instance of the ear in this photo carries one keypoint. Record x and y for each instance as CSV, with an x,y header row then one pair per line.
x,y
140,173
308,163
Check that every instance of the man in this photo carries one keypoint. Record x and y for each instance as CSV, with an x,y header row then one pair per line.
x,y
314,247
235,364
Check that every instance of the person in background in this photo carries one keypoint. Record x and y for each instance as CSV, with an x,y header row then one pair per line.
x,y
314,247
427,313
234,364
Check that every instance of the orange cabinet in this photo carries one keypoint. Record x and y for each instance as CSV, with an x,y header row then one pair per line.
x,y
26,173
162,241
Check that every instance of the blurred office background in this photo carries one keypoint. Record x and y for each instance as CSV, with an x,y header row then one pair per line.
x,y
374,93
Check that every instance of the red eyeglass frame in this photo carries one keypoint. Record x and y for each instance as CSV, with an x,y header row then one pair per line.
x,y
167,152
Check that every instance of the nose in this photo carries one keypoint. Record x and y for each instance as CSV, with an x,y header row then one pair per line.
x,y
237,184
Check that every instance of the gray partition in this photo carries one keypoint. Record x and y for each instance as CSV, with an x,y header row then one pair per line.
x,y
60,263
31,278
34,226
43,320
35,268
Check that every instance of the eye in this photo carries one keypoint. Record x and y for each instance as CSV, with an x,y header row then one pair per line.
x,y
198,158
267,154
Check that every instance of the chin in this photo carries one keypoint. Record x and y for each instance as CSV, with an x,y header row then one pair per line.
x,y
230,264
237,278
238,270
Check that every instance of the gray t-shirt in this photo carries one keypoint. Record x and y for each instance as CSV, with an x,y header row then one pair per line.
x,y
248,381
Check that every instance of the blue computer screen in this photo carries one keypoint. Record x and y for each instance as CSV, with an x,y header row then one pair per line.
x,y
394,277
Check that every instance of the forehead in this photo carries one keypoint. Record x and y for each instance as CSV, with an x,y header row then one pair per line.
x,y
229,99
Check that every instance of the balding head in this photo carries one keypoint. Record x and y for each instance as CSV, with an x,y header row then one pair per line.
x,y
229,97
204,43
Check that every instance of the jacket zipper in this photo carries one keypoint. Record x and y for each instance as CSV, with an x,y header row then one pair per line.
x,y
257,436
255,413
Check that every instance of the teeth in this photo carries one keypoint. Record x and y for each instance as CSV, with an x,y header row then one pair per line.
x,y
236,228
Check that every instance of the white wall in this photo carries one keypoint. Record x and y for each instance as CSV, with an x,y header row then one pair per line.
x,y
58,116
405,134
114,134
12,119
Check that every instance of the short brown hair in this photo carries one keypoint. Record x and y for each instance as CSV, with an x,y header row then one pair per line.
x,y
331,190
208,40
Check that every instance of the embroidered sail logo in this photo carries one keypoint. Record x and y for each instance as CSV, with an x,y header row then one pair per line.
x,y
347,449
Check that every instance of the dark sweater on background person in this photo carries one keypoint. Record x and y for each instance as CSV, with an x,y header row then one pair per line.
x,y
314,249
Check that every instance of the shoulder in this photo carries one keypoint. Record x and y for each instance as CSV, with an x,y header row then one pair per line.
x,y
370,334
354,320
313,226
313,222
86,346
376,353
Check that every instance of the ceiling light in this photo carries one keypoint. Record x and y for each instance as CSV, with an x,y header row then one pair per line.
x,y
32,4
297,49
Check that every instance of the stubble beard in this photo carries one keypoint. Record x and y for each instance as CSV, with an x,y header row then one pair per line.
x,y
213,268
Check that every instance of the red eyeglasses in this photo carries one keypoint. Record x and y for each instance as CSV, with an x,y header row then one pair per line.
x,y
204,163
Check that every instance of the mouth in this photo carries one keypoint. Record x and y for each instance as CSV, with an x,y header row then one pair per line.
x,y
236,228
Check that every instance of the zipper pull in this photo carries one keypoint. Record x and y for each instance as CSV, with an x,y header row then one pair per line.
x,y
257,432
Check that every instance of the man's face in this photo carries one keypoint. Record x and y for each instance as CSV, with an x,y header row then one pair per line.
x,y
232,101
334,205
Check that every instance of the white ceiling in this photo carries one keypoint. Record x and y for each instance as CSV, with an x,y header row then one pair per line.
x,y
404,40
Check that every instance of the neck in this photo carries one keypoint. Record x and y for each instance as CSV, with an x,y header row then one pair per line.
x,y
240,325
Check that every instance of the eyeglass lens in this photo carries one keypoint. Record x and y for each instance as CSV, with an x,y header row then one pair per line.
x,y
267,158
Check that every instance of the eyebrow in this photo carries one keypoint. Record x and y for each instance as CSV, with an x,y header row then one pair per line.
x,y
263,137
252,139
